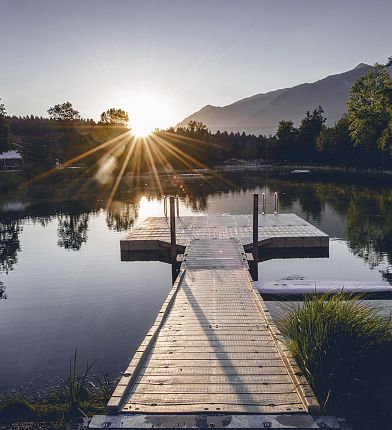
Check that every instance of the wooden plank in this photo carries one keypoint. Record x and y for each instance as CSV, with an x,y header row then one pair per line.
x,y
177,369
213,362
238,398
213,379
216,355
212,388
217,347
213,349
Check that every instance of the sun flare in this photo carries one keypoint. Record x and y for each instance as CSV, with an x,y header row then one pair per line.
x,y
141,130
148,112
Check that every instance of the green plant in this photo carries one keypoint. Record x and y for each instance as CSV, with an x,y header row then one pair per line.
x,y
76,387
343,346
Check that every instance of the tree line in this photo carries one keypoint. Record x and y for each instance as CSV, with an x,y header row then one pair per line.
x,y
361,138
64,134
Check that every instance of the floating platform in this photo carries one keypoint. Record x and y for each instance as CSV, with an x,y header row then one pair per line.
x,y
298,289
280,235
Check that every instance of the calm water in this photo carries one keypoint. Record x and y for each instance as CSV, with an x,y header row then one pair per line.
x,y
67,288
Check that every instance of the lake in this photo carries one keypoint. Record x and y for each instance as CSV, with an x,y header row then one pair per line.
x,y
66,287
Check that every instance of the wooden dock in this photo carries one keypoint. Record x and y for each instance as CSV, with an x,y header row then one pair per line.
x,y
213,348
274,231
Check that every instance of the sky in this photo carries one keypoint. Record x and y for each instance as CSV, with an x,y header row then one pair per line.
x,y
169,58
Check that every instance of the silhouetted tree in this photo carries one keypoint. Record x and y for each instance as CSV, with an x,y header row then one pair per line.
x,y
287,135
63,112
335,144
308,132
196,129
5,130
116,117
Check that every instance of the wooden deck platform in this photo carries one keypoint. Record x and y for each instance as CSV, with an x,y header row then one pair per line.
x,y
275,231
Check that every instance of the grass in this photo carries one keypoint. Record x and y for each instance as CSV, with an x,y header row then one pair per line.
x,y
77,388
343,347
80,395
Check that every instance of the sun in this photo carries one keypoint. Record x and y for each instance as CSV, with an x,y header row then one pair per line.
x,y
148,112
141,130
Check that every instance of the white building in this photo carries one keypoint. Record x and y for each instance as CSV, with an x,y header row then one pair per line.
x,y
10,160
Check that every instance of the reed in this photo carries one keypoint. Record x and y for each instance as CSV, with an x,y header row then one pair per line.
x,y
343,347
77,387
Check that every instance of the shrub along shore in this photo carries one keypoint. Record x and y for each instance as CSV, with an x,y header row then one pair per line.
x,y
343,346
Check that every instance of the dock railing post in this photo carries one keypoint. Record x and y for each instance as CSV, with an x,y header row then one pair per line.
x,y
276,203
256,227
165,206
173,248
178,206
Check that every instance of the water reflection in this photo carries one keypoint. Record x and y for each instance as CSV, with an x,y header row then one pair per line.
x,y
121,216
9,244
3,295
72,230
362,215
105,307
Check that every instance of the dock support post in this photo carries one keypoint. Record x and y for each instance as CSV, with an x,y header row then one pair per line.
x,y
256,227
173,245
173,248
253,265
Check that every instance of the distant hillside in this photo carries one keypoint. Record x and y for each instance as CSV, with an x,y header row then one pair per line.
x,y
261,113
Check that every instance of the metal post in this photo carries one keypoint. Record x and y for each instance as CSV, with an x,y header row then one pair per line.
x,y
178,205
276,204
173,251
256,227
165,206
263,205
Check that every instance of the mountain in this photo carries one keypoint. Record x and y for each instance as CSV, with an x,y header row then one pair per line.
x,y
260,114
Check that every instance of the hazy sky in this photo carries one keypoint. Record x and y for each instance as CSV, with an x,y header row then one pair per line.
x,y
188,53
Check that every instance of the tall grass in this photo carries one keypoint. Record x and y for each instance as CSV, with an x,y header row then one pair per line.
x,y
77,387
343,346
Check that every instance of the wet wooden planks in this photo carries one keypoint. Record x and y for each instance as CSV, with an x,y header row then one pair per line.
x,y
212,349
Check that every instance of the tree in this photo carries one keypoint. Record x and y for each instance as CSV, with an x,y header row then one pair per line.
x,y
5,130
335,144
370,109
308,132
196,129
63,112
116,117
286,135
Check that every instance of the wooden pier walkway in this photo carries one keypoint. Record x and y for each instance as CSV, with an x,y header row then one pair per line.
x,y
213,347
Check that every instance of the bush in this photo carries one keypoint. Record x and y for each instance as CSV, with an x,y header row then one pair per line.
x,y
343,346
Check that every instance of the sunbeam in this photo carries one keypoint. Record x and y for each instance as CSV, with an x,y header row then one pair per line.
x,y
153,166
122,171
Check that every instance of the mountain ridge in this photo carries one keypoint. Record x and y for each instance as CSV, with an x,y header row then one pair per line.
x,y
261,113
